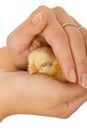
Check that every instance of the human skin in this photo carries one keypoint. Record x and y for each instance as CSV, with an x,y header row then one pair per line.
x,y
69,44
21,93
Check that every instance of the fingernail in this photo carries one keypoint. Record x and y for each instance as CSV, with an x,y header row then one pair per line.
x,y
84,80
37,18
72,75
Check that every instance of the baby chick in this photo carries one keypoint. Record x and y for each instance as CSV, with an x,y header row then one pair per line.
x,y
42,60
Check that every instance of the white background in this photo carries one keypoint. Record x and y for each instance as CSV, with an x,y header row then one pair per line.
x,y
12,13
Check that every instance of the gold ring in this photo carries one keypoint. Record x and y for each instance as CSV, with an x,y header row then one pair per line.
x,y
69,24
80,27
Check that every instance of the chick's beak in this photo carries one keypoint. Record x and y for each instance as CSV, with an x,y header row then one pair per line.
x,y
33,69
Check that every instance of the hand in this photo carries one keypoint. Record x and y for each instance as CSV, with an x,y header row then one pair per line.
x,y
69,43
39,95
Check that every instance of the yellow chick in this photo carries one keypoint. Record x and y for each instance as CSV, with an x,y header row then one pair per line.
x,y
42,60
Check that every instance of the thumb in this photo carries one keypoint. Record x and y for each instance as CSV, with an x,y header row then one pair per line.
x,y
21,37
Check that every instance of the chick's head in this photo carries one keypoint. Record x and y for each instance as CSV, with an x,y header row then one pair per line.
x,y
42,60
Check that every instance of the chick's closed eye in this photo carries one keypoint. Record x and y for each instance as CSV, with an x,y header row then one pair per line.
x,y
46,64
42,60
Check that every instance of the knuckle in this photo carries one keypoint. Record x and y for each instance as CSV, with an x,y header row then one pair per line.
x,y
81,67
78,38
62,36
66,116
42,7
59,9
82,63
69,61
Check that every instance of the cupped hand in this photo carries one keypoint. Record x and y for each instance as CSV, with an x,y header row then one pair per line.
x,y
68,43
40,95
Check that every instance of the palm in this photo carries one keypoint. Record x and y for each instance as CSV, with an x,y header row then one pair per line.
x,y
43,95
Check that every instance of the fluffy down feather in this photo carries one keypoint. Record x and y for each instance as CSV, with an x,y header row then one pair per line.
x,y
42,60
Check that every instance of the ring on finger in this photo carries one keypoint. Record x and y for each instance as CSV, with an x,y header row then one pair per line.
x,y
72,24
69,24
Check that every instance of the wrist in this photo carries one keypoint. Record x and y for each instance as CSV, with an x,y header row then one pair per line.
x,y
5,60
12,97
7,95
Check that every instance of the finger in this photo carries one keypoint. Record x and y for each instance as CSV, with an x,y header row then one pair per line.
x,y
77,46
58,40
64,92
69,107
22,36
83,31
74,104
20,39
79,53
84,34
37,42
83,78
61,92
